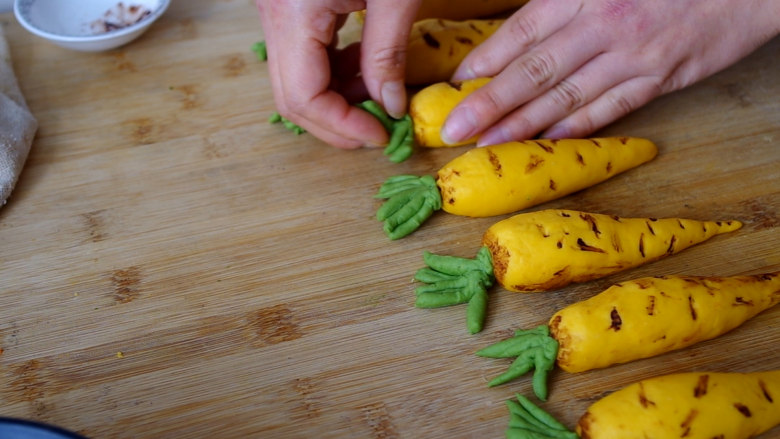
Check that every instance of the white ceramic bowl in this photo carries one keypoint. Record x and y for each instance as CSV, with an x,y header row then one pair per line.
x,y
69,23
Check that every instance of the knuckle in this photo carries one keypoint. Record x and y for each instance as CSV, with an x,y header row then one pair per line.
x,y
292,109
538,68
617,10
518,126
584,125
389,58
568,95
658,86
523,31
491,100
622,105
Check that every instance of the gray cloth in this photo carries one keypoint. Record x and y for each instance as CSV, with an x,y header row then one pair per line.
x,y
17,125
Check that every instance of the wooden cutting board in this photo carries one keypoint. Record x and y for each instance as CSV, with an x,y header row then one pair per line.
x,y
172,266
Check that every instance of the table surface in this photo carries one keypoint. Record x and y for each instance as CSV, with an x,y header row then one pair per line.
x,y
171,265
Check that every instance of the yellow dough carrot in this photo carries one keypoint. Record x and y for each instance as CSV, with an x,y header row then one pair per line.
x,y
632,320
552,248
692,405
437,47
465,9
460,9
430,107
506,178
549,249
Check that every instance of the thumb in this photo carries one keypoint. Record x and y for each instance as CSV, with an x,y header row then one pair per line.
x,y
383,52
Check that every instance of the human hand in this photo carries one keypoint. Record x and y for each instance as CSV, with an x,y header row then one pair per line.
x,y
312,81
568,68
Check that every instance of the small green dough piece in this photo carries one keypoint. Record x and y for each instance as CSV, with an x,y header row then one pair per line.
x,y
401,132
260,50
449,280
476,310
534,349
457,266
528,421
277,118
410,201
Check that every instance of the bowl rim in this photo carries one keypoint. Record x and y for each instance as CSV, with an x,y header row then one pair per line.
x,y
89,38
39,427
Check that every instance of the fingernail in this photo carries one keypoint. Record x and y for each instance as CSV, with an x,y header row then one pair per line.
x,y
460,125
494,137
463,73
556,132
394,98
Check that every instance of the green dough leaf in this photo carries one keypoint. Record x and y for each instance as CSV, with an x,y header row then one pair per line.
x,y
534,349
401,132
528,421
410,201
449,280
277,118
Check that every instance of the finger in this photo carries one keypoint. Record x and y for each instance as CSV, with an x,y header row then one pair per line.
x,y
385,37
323,112
525,29
582,87
327,115
524,79
267,24
607,108
302,78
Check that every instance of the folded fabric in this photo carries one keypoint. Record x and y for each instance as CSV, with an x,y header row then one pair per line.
x,y
17,125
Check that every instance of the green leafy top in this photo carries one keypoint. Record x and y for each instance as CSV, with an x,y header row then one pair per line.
x,y
528,421
410,201
401,131
534,348
451,280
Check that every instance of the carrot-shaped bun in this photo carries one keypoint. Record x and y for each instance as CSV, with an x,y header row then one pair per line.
x,y
696,405
506,178
465,9
458,9
633,320
430,107
654,315
437,46
545,250
549,249
513,176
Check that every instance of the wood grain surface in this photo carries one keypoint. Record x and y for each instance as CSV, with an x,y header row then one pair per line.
x,y
173,266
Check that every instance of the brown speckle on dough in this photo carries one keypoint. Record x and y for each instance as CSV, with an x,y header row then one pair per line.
x,y
430,40
616,320
588,248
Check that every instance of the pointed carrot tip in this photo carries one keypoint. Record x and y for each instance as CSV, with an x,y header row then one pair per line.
x,y
728,226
